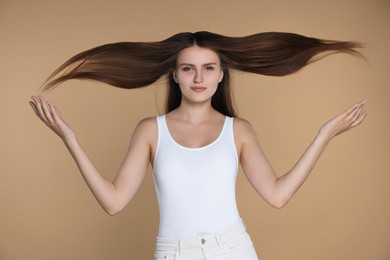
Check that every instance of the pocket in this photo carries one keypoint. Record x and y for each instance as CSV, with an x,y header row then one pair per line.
x,y
161,256
164,256
165,251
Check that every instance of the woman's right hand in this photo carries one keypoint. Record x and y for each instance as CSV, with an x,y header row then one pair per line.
x,y
51,116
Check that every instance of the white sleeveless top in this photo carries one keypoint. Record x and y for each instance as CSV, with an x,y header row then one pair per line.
x,y
195,186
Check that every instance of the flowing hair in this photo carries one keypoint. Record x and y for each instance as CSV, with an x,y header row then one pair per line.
x,y
139,64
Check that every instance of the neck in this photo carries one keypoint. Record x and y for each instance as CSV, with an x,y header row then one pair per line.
x,y
195,112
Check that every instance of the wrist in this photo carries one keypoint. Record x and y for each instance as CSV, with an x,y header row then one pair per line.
x,y
324,136
70,140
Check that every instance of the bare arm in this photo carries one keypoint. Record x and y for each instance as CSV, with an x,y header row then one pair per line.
x,y
277,191
113,196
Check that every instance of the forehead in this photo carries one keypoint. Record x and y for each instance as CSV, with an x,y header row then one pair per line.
x,y
197,55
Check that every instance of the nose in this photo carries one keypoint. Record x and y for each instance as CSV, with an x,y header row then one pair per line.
x,y
198,77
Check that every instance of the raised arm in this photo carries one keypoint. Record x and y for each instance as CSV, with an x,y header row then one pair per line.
x,y
277,191
114,195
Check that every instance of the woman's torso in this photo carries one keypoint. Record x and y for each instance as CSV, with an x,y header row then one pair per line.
x,y
195,169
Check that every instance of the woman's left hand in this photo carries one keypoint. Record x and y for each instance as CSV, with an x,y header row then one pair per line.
x,y
352,117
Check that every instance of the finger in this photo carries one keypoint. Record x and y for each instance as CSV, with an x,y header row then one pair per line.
x,y
58,111
46,111
360,119
355,111
356,115
38,106
54,112
352,114
32,104
353,107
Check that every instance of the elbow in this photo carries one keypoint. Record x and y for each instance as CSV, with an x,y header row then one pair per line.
x,y
112,211
278,203
114,206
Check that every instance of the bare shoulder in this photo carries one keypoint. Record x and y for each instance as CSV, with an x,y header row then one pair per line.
x,y
146,130
243,128
244,134
147,123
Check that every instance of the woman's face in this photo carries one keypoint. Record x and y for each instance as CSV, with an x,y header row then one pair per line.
x,y
198,72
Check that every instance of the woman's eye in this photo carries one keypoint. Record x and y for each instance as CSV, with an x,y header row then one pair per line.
x,y
186,68
209,68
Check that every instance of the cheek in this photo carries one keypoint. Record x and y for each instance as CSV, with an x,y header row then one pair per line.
x,y
216,78
182,78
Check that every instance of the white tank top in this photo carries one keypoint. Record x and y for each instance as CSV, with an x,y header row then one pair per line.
x,y
195,186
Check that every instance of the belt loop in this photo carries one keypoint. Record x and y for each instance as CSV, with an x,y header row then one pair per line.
x,y
181,247
177,255
219,242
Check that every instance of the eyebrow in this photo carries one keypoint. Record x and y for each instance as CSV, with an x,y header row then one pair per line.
x,y
206,64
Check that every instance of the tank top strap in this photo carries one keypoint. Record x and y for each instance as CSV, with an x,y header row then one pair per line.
x,y
161,123
162,131
229,128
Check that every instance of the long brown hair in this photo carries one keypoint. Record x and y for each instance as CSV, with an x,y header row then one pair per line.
x,y
139,64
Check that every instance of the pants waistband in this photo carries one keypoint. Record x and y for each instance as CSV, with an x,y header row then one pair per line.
x,y
200,241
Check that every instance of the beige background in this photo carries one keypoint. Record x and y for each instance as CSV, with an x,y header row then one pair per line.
x,y
47,212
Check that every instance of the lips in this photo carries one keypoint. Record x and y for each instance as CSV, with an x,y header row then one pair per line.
x,y
198,88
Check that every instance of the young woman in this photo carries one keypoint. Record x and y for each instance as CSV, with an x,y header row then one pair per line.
x,y
196,147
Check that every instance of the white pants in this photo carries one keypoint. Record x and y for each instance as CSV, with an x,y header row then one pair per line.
x,y
233,243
